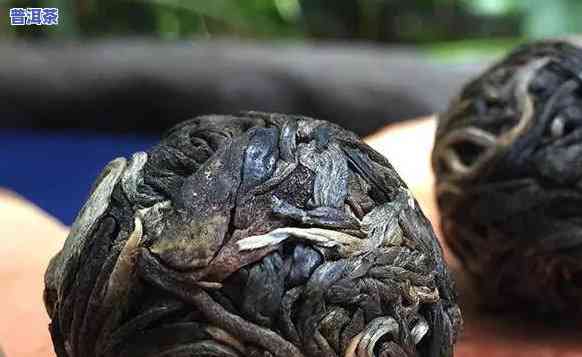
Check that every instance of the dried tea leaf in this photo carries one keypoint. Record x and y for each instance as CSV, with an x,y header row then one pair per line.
x,y
255,235
508,162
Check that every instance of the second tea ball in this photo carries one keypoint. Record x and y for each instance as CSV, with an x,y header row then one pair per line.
x,y
508,164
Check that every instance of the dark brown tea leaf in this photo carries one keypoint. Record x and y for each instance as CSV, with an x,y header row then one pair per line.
x,y
256,235
508,161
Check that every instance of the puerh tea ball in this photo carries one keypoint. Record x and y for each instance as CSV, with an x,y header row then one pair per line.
x,y
257,235
508,164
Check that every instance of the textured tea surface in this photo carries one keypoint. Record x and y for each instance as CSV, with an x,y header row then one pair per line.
x,y
260,235
508,163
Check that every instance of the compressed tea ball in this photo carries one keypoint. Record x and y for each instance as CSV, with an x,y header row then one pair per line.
x,y
508,164
255,235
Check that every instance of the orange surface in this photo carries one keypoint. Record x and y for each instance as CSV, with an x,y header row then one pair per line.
x,y
30,237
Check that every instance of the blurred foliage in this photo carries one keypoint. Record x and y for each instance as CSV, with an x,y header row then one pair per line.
x,y
478,22
472,50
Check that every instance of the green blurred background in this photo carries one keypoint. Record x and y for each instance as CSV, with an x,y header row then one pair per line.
x,y
455,29
104,88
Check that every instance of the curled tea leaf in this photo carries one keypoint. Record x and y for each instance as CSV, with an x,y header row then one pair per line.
x,y
255,235
508,164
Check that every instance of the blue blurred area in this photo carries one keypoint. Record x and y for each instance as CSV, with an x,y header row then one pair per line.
x,y
55,170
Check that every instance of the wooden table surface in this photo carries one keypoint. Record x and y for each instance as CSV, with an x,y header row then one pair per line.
x,y
30,237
